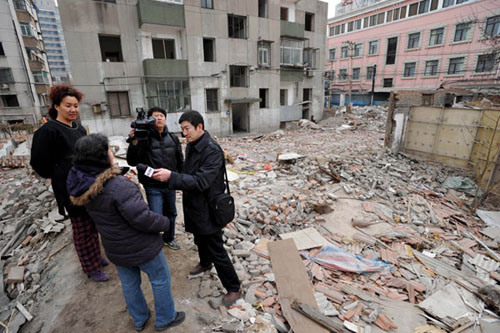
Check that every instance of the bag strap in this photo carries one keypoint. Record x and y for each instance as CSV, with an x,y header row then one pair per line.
x,y
226,179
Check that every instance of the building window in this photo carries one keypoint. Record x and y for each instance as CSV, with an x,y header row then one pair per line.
x,y
427,99
264,98
373,20
111,48
485,63
357,24
388,83
358,50
41,77
492,26
9,101
395,15
423,6
262,8
310,58
26,29
212,100
238,76
163,48
392,45
207,4
402,13
284,14
448,3
2,52
342,28
356,73
283,97
436,37
410,69
434,4
389,16
331,54
208,49
109,1
343,74
264,54
373,47
350,26
118,104
456,65
344,52
331,31
370,72
413,40
331,75
413,9
237,26
431,68
172,95
309,22
380,18
365,22
291,52
462,31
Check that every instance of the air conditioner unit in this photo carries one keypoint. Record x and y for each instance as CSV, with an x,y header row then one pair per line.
x,y
309,72
4,86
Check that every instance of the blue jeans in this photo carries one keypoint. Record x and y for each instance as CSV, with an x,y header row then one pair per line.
x,y
159,276
162,201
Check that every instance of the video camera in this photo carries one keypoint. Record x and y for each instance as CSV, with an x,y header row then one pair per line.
x,y
141,124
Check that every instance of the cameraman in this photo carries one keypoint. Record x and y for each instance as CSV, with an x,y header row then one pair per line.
x,y
159,149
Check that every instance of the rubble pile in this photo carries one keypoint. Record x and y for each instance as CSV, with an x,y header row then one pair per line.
x,y
428,246
28,225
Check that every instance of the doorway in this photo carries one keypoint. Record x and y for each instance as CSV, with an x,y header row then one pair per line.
x,y
241,118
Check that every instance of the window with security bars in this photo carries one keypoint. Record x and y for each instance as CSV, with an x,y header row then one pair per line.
x,y
462,31
485,63
171,95
492,28
238,76
212,100
456,65
118,103
237,26
291,52
436,36
413,40
410,69
431,68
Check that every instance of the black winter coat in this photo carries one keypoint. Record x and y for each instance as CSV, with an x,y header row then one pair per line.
x,y
202,179
51,153
129,230
160,150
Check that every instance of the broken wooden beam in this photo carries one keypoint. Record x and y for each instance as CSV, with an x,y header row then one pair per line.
x,y
318,317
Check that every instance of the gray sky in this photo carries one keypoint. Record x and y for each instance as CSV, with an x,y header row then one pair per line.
x,y
331,7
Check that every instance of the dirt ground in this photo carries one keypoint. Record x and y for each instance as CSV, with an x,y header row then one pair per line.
x,y
77,304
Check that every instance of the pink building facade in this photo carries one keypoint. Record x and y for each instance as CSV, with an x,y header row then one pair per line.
x,y
414,45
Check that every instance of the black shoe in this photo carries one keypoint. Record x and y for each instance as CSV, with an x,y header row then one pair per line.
x,y
172,245
179,318
140,328
199,269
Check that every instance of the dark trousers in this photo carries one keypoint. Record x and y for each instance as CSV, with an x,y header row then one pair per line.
x,y
162,201
211,250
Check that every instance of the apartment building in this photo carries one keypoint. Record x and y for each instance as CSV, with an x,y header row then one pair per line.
x,y
414,45
24,71
50,24
246,65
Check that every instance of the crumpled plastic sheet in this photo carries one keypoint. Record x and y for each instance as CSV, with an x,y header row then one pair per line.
x,y
461,184
333,257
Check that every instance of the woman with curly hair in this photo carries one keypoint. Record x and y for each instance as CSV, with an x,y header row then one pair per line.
x,y
51,153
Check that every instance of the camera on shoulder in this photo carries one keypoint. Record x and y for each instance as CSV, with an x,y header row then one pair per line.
x,y
141,125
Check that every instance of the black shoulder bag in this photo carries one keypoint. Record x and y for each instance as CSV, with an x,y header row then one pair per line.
x,y
223,204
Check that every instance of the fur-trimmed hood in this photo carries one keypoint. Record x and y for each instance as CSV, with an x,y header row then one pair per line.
x,y
85,184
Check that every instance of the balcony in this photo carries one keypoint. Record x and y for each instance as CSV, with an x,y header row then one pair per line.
x,y
292,29
36,65
290,112
291,75
155,12
175,68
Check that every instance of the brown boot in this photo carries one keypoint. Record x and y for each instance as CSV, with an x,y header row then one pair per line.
x,y
231,297
199,269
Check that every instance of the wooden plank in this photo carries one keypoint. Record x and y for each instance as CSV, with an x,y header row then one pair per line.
x,y
306,238
293,284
